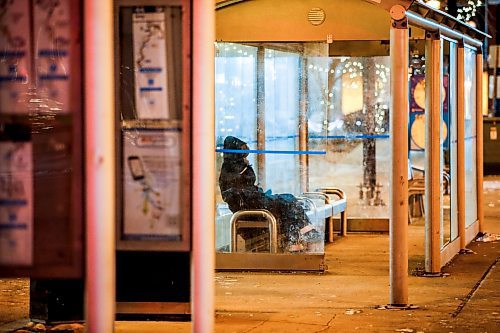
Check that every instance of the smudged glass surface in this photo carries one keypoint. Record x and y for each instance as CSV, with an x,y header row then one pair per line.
x,y
309,121
357,140
470,137
449,219
265,96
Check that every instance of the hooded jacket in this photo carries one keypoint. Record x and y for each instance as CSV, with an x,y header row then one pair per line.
x,y
237,177
236,172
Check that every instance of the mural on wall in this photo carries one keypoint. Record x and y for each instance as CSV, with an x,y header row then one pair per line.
x,y
417,112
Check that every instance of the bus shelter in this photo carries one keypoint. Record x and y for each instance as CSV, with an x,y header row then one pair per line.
x,y
362,96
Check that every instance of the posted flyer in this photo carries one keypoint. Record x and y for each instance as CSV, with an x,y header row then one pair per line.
x,y
150,65
16,203
151,184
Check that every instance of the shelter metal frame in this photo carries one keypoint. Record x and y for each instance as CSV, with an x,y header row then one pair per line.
x,y
438,257
435,257
403,14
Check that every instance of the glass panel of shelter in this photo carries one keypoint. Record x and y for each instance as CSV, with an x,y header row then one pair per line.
x,y
416,132
346,99
448,151
449,221
450,177
282,81
40,138
236,115
358,150
263,92
417,143
470,136
347,102
151,128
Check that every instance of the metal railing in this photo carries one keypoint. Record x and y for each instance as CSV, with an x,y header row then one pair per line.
x,y
237,221
343,215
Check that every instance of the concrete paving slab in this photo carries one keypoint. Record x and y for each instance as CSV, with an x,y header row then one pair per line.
x,y
343,299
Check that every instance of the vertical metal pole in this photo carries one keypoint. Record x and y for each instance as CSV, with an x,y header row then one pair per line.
x,y
203,191
433,188
461,145
261,116
100,165
479,138
303,130
398,232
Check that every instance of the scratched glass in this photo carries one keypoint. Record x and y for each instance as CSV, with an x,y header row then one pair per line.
x,y
265,96
150,109
356,97
470,137
449,220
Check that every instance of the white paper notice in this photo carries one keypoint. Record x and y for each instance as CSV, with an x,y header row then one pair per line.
x,y
16,203
151,175
150,66
53,41
14,56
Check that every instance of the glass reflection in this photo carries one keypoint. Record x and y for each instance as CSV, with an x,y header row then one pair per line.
x,y
447,164
453,141
357,145
235,104
282,90
263,92
470,137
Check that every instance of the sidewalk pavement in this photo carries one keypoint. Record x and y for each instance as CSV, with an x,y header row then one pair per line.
x,y
346,297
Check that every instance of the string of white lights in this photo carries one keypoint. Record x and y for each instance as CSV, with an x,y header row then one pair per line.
x,y
467,12
464,13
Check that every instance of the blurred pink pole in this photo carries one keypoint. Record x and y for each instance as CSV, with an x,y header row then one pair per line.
x,y
100,165
203,136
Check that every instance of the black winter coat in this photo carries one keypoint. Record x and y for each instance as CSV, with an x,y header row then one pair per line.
x,y
237,184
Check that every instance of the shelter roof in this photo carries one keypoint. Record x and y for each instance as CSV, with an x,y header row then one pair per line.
x,y
353,7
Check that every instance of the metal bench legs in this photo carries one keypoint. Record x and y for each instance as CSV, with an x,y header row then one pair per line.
x,y
237,220
343,215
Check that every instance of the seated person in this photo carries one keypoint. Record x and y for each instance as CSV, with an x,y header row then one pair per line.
x,y
238,189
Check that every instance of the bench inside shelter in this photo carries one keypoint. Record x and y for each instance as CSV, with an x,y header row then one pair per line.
x,y
260,252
